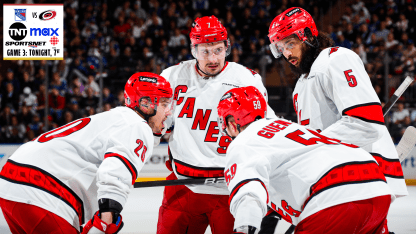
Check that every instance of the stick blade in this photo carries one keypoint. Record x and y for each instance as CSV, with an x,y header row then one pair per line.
x,y
407,143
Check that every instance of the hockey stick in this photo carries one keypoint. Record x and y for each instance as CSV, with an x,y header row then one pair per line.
x,y
407,143
400,90
205,181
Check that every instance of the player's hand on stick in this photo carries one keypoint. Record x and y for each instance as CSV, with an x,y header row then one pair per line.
x,y
246,229
97,226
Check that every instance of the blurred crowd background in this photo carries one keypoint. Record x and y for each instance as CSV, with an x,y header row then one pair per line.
x,y
107,41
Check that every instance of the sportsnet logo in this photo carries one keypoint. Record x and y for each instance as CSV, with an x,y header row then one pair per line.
x,y
148,79
19,14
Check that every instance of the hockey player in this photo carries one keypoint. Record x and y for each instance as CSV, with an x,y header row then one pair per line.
x,y
334,93
318,183
52,183
196,148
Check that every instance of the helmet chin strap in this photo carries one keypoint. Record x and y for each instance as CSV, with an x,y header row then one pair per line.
x,y
238,129
199,69
146,116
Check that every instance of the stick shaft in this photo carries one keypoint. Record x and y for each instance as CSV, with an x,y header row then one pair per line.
x,y
397,94
206,181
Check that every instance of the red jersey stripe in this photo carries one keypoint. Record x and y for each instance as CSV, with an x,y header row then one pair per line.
x,y
347,173
389,167
192,171
127,163
35,177
239,185
370,112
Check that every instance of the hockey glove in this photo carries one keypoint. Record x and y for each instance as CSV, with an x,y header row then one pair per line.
x,y
97,226
269,222
246,230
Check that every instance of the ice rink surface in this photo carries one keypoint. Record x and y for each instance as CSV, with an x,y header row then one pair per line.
x,y
141,211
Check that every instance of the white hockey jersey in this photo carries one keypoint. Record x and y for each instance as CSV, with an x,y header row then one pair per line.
x,y
337,98
296,171
68,169
195,144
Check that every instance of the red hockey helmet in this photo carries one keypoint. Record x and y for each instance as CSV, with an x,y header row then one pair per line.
x,y
208,29
149,86
245,104
292,21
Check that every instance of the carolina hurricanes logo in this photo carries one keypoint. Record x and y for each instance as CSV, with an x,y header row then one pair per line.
x,y
47,15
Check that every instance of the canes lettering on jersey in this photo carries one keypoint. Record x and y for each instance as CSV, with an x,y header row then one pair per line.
x,y
178,90
201,120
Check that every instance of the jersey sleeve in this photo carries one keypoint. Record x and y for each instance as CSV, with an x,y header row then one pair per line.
x,y
247,176
350,88
129,148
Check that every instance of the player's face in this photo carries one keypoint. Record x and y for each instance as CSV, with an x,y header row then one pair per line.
x,y
164,109
291,48
211,57
231,127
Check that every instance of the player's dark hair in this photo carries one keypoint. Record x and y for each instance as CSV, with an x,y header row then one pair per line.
x,y
310,51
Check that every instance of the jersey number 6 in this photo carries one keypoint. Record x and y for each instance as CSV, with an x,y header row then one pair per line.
x,y
352,82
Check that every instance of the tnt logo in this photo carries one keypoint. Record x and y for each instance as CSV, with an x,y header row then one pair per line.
x,y
17,31
44,32
54,41
20,14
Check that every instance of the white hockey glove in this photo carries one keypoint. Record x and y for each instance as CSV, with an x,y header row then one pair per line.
x,y
246,230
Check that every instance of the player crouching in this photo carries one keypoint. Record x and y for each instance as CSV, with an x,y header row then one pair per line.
x,y
318,183
52,184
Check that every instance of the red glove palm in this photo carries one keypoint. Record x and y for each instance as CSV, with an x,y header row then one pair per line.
x,y
96,223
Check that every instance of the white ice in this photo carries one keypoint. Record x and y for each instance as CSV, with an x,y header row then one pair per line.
x,y
141,211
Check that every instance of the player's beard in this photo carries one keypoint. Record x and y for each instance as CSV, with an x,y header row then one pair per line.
x,y
308,56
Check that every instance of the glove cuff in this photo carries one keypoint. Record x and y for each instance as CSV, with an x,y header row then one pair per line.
x,y
109,205
246,229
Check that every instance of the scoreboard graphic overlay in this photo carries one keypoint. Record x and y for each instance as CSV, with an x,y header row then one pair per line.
x,y
33,31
